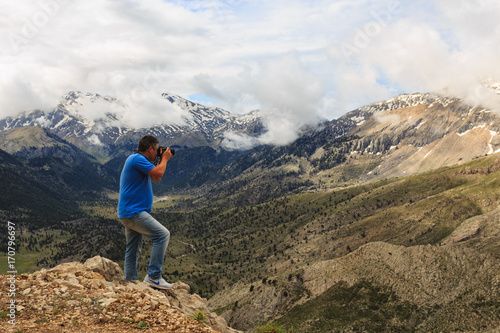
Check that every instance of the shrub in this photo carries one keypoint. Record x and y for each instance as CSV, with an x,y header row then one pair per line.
x,y
199,317
270,328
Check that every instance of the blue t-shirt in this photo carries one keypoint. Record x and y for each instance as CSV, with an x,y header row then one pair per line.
x,y
136,193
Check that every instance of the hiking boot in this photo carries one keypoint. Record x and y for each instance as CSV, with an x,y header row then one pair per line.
x,y
160,283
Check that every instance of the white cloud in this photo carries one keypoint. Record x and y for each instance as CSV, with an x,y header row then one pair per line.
x,y
239,141
449,48
287,93
295,60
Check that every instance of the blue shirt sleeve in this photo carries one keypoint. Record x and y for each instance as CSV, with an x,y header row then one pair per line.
x,y
142,164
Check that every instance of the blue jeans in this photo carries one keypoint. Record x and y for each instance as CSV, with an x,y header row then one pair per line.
x,y
136,227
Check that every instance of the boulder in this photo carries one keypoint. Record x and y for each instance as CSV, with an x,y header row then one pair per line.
x,y
110,270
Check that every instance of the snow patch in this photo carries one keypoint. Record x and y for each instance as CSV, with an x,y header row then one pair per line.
x,y
428,154
63,121
493,134
359,120
421,123
479,126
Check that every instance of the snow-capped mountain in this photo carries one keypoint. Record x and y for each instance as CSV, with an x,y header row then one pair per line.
x,y
405,134
108,130
402,101
417,132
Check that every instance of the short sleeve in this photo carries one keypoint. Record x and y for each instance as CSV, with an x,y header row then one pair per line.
x,y
142,164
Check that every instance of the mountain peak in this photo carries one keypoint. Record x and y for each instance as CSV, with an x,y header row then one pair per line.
x,y
74,95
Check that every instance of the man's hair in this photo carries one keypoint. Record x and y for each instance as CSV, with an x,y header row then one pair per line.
x,y
146,142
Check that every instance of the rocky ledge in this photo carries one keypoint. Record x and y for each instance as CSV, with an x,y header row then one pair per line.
x,y
95,297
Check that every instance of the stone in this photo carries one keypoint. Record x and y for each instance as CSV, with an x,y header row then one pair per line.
x,y
108,269
72,278
71,285
139,317
67,268
107,301
99,282
181,287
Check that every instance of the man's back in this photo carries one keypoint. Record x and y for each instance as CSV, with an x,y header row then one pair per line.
x,y
136,193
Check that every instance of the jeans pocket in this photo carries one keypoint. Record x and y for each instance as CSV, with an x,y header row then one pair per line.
x,y
127,223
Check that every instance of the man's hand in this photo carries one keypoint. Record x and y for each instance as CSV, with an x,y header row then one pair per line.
x,y
166,154
157,172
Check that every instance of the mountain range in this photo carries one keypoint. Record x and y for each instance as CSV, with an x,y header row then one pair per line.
x,y
109,133
389,210
403,135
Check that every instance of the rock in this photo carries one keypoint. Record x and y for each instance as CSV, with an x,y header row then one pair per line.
x,y
72,279
66,268
181,287
107,301
71,285
139,317
192,303
218,323
110,270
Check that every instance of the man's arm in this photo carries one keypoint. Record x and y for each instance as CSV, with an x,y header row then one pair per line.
x,y
157,172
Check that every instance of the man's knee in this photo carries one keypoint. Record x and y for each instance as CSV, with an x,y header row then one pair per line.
x,y
167,234
164,235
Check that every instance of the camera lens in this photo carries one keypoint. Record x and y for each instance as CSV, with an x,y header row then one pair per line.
x,y
161,150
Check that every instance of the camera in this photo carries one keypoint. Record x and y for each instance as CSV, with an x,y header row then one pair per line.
x,y
162,149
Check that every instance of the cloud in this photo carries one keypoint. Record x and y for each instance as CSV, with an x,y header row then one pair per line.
x,y
444,47
287,93
129,50
297,61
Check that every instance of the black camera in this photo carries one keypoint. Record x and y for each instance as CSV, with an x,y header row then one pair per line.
x,y
162,149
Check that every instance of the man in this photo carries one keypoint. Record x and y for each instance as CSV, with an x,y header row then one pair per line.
x,y
134,208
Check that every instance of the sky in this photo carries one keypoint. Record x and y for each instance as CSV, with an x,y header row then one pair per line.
x,y
296,61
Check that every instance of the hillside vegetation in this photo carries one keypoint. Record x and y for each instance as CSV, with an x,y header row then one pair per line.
x,y
436,213
260,262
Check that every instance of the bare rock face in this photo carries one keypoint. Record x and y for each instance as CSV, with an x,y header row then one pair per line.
x,y
485,226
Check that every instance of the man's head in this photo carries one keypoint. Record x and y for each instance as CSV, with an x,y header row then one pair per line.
x,y
146,142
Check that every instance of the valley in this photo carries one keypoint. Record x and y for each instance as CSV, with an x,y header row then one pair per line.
x,y
364,223
278,246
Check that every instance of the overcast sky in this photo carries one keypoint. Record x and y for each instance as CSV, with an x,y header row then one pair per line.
x,y
297,60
